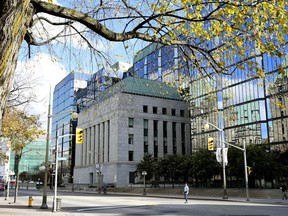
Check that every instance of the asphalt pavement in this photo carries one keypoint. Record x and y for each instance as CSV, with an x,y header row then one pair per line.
x,y
8,207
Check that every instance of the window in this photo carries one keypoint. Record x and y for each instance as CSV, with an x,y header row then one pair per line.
x,y
130,139
183,138
130,155
145,126
145,109
164,129
182,113
155,147
165,146
130,122
173,112
146,123
155,110
155,126
174,137
131,177
145,146
164,111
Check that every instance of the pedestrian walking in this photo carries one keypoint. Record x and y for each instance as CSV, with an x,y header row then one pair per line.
x,y
186,192
284,190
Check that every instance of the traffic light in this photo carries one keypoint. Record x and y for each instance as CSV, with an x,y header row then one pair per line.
x,y
210,144
249,170
79,135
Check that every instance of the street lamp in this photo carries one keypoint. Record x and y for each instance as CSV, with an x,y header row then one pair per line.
x,y
206,127
49,116
56,171
144,173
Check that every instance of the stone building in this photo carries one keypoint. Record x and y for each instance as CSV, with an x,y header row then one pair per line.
x,y
127,120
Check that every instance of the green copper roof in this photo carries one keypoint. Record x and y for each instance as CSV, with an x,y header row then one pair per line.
x,y
150,88
137,86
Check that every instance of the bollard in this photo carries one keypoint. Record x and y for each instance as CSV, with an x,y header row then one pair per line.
x,y
30,200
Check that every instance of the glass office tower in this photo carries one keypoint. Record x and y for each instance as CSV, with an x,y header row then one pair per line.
x,y
248,108
32,157
62,124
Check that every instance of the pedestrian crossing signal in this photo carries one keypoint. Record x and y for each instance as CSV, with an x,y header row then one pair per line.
x,y
210,144
79,136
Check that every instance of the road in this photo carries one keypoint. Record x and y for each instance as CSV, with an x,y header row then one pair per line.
x,y
81,204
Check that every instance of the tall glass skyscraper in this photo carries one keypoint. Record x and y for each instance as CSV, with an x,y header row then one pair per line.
x,y
65,101
63,104
247,107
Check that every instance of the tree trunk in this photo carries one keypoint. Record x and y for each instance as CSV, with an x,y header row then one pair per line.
x,y
15,16
16,167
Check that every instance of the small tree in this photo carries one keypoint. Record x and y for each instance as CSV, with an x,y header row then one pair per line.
x,y
205,166
235,167
148,164
21,129
169,167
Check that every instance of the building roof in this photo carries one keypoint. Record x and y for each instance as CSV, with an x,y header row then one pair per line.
x,y
143,87
150,88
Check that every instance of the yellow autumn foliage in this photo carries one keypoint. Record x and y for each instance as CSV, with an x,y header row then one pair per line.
x,y
20,128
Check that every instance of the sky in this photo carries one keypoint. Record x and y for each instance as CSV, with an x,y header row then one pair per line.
x,y
49,64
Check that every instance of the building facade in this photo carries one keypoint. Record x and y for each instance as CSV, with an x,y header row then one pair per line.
x,y
33,156
62,124
127,120
241,103
84,87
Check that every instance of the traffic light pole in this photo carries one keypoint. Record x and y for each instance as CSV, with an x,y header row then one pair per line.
x,y
206,126
245,165
225,196
49,116
246,174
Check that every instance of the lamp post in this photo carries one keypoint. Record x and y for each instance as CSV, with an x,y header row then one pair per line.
x,y
44,199
56,171
144,173
206,127
49,116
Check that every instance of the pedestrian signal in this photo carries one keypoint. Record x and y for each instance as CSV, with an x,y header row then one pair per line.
x,y
210,144
79,136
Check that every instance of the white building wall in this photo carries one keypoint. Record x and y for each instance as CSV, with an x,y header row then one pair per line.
x,y
117,110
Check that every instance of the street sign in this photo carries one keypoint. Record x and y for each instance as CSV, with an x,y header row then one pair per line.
x,y
62,158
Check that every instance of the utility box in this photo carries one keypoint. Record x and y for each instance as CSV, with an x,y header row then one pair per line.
x,y
58,205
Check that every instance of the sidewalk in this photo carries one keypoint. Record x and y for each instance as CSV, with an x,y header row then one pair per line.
x,y
20,208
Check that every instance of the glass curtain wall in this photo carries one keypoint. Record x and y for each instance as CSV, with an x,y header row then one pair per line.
x,y
248,108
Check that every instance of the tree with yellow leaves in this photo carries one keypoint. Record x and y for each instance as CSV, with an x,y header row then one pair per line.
x,y
210,33
21,129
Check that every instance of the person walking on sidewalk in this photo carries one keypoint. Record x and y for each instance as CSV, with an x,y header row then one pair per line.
x,y
186,192
284,190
